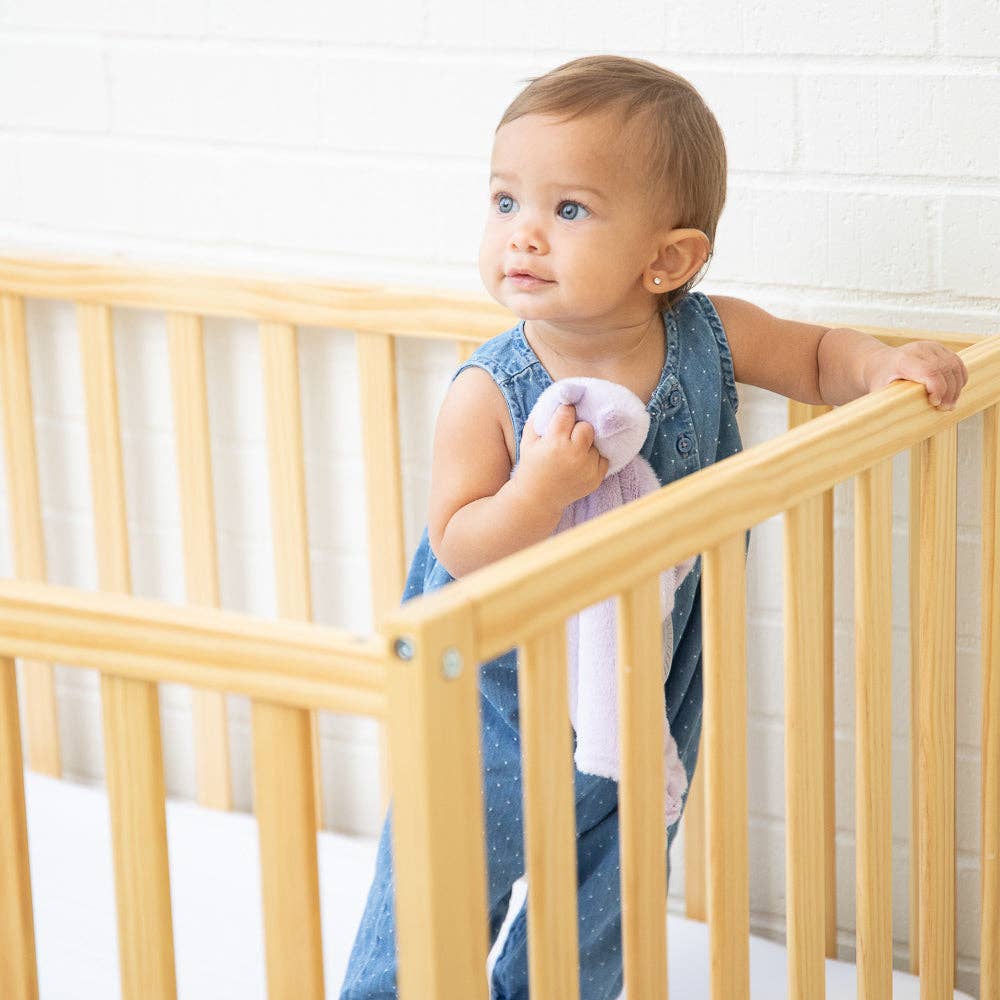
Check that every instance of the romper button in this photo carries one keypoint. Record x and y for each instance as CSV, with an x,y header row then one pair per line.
x,y
684,444
675,397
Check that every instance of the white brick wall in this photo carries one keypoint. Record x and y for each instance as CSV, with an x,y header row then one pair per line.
x,y
864,147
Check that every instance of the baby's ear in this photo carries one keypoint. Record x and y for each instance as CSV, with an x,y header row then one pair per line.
x,y
610,421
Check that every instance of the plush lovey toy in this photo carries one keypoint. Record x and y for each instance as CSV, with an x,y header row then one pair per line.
x,y
621,424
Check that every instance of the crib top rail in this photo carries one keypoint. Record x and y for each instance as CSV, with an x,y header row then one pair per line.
x,y
544,584
407,312
299,664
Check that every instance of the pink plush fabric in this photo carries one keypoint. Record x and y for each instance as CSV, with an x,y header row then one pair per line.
x,y
621,424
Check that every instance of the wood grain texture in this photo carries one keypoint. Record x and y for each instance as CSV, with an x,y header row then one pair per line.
x,y
287,479
643,836
804,799
290,663
201,562
914,570
284,802
989,957
873,728
549,818
936,683
800,413
373,308
725,723
26,533
18,970
130,708
438,827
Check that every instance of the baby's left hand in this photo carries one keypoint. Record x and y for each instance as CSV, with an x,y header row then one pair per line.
x,y
934,366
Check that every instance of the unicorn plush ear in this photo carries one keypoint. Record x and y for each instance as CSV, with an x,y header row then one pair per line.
x,y
570,391
610,421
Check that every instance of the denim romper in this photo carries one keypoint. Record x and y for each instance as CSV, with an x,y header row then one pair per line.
x,y
692,424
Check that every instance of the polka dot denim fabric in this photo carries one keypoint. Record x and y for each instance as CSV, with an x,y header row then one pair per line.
x,y
692,424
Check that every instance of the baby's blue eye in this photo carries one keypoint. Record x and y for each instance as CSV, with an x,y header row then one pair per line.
x,y
572,205
505,204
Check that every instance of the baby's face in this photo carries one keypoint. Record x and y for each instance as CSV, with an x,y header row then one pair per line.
x,y
565,208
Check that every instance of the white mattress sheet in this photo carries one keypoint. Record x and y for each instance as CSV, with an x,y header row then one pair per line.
x,y
218,927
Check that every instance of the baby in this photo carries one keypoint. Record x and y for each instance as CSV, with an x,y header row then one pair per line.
x,y
608,177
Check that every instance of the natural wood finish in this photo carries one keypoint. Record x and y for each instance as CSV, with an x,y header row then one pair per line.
x,y
914,571
406,312
937,714
285,804
873,729
18,971
800,413
549,818
287,475
290,663
695,839
383,482
989,955
131,715
723,586
577,568
201,563
804,804
643,836
26,525
383,489
438,828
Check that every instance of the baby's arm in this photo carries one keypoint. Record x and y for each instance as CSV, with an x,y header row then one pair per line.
x,y
478,512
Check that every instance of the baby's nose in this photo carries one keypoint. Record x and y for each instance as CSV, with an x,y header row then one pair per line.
x,y
527,235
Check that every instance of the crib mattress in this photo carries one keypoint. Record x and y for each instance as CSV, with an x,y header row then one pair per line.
x,y
218,928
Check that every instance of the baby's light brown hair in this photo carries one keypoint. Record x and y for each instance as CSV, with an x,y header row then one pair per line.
x,y
669,136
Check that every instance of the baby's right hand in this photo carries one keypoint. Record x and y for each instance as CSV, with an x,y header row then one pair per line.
x,y
561,466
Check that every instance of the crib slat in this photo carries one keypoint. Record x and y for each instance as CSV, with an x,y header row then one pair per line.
x,y
132,747
438,828
695,874
800,413
285,805
804,802
989,960
18,970
289,529
725,720
873,754
914,569
383,486
549,820
643,846
464,349
201,564
936,682
26,525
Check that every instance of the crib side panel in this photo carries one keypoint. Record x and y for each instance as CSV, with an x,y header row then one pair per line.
x,y
873,728
131,714
26,525
804,800
936,723
549,826
18,971
287,477
201,563
989,985
726,796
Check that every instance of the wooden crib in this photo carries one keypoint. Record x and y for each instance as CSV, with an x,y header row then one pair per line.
x,y
418,673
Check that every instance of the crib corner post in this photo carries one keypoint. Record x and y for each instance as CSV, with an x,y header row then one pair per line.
x,y
438,827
